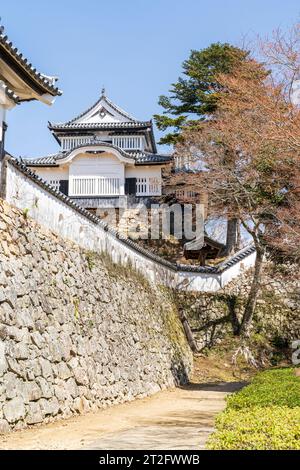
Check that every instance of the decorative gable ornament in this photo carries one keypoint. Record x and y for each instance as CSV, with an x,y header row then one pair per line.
x,y
103,112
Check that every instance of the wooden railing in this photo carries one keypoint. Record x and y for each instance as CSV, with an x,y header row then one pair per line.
x,y
68,143
128,143
148,187
125,143
94,186
103,186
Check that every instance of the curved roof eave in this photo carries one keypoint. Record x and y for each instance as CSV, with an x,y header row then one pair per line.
x,y
45,83
101,147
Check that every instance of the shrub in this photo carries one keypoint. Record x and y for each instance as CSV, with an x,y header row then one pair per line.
x,y
278,387
263,416
272,428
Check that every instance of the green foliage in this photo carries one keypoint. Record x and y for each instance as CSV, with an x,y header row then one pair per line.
x,y
279,387
128,272
26,213
197,93
272,428
76,308
90,258
263,416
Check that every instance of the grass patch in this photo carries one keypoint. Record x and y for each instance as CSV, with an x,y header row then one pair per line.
x,y
123,271
263,416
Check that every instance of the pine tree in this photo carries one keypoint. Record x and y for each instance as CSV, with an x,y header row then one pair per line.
x,y
196,95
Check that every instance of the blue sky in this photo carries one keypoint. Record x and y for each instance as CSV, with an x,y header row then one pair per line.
x,y
134,47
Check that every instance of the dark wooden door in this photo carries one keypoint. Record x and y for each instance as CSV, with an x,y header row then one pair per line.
x,y
130,186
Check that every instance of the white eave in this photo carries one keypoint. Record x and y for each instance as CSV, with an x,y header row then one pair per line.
x,y
96,148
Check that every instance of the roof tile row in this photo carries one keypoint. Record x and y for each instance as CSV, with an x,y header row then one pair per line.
x,y
26,65
139,157
101,125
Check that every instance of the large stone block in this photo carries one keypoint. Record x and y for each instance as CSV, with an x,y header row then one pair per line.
x,y
34,414
31,392
4,426
81,376
46,387
49,407
64,371
24,318
14,410
46,368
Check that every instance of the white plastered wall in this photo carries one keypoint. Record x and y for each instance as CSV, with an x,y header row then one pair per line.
x,y
59,217
143,171
105,164
97,165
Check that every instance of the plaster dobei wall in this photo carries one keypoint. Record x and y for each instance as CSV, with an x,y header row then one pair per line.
x,y
58,213
76,331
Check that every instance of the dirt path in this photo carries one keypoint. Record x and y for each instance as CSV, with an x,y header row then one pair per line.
x,y
175,419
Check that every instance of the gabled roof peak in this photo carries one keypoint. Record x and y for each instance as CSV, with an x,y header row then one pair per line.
x,y
104,110
104,116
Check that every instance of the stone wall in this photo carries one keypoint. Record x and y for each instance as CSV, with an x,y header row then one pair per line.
x,y
77,332
277,318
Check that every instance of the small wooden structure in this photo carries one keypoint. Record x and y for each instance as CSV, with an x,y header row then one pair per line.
x,y
203,249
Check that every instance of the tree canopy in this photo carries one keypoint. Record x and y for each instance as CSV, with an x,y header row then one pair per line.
x,y
196,95
251,150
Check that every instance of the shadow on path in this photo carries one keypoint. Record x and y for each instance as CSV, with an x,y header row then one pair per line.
x,y
224,387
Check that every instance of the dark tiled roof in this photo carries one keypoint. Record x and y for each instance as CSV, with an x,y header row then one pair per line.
x,y
141,158
131,123
196,244
48,160
101,125
219,269
46,83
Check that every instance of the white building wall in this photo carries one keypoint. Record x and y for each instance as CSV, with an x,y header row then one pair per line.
x,y
143,172
59,217
106,165
103,165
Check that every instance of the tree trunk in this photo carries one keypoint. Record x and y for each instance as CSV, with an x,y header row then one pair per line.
x,y
232,303
253,295
238,236
232,237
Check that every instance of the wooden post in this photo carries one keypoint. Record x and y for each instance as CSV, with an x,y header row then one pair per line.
x,y
188,332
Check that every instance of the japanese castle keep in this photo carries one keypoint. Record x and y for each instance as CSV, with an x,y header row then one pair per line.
x,y
105,154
